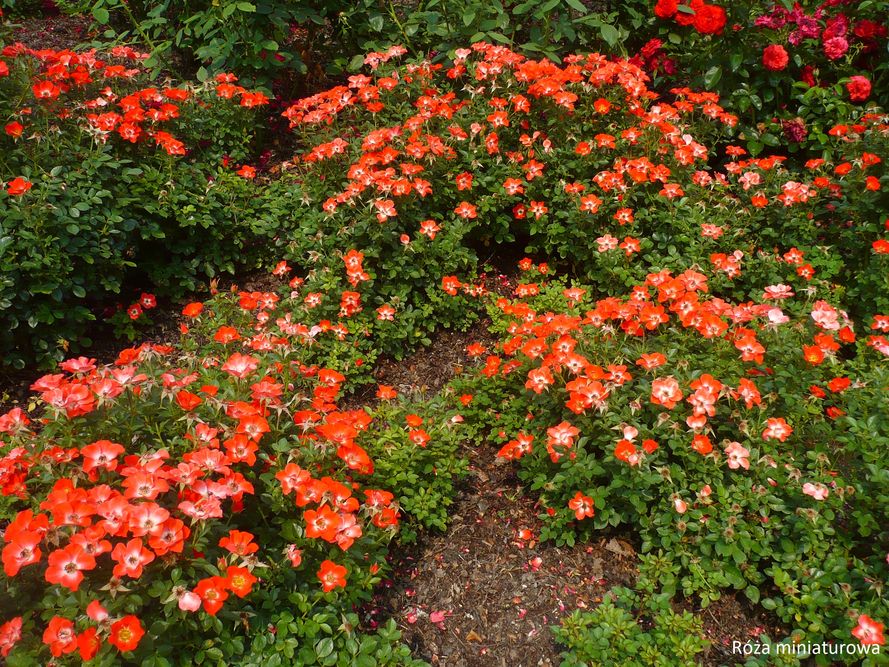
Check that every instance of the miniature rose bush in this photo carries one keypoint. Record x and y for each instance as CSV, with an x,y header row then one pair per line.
x,y
109,179
415,199
418,167
211,500
744,441
616,632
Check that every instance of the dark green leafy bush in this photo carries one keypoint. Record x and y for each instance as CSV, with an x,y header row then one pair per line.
x,y
627,630
269,42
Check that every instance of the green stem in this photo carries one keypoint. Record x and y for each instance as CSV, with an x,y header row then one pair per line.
x,y
394,16
447,17
138,26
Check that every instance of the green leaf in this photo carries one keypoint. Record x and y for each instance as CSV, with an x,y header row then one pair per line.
x,y
101,15
324,647
376,22
770,139
610,34
576,4
712,76
752,593
247,7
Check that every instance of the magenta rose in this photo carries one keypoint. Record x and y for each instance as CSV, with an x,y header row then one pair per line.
x,y
835,47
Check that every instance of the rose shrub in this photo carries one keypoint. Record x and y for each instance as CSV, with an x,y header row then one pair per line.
x,y
111,180
211,501
789,70
419,170
616,632
745,442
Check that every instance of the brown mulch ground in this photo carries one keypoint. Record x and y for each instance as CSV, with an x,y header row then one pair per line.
x,y
732,618
425,372
486,592
52,31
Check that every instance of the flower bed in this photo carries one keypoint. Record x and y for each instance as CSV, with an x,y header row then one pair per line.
x,y
211,500
697,357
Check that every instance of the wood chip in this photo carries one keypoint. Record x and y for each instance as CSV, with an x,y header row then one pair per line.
x,y
620,547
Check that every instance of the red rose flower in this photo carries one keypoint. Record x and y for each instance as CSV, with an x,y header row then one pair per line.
x,y
126,633
664,9
835,48
867,29
14,129
710,20
859,88
18,186
775,58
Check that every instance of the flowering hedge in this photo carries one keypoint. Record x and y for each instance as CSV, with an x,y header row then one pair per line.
x,y
212,500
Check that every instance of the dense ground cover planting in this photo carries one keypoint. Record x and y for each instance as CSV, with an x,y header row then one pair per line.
x,y
692,357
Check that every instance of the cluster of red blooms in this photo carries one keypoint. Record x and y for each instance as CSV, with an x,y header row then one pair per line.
x,y
145,302
836,34
354,262
706,19
141,510
652,58
393,160
548,341
544,346
71,85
